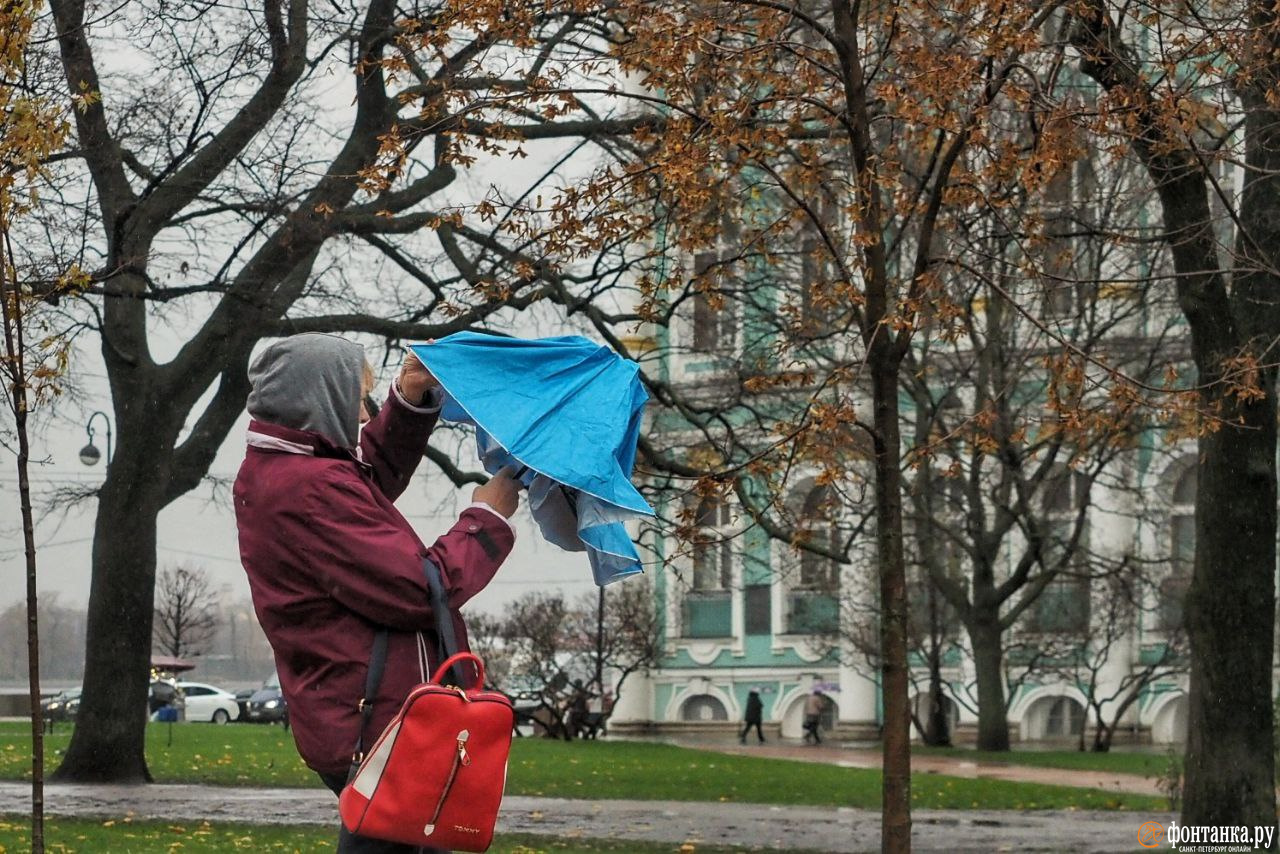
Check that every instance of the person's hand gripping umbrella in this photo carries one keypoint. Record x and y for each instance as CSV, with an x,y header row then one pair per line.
x,y
565,414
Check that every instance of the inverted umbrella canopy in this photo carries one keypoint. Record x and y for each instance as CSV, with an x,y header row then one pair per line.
x,y
170,664
568,412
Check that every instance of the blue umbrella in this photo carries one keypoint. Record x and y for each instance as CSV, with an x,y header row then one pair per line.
x,y
566,412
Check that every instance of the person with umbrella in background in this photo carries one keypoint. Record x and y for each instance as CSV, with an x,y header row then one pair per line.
x,y
330,560
814,705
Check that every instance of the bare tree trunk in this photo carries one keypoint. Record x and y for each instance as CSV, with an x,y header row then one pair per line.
x,y
109,737
15,349
988,665
1230,607
1102,736
1230,761
896,804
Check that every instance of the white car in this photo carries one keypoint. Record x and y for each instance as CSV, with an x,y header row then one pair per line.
x,y
209,703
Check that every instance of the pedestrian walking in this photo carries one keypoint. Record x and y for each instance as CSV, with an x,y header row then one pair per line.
x,y
330,560
754,717
814,705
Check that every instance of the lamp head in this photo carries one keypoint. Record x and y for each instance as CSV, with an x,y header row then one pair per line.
x,y
89,454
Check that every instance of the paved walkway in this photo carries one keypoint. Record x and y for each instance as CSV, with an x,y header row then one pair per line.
x,y
770,827
955,766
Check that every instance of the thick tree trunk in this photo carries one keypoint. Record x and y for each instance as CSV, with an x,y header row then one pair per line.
x,y
1230,766
896,805
988,665
110,732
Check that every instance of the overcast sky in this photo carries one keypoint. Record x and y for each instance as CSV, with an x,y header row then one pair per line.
x,y
199,528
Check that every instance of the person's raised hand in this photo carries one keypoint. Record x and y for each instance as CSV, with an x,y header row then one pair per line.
x,y
502,493
415,380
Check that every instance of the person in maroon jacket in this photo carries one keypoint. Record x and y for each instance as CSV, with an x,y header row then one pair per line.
x,y
329,558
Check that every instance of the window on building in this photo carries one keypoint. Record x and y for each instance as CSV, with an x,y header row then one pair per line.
x,y
1069,286
820,312
817,571
1182,550
715,313
757,605
703,707
813,601
713,545
929,612
1065,495
1062,607
708,606
1065,718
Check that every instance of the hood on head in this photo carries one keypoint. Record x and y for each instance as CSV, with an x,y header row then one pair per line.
x,y
310,382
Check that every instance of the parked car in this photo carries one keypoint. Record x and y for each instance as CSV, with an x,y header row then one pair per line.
x,y
267,704
209,703
62,706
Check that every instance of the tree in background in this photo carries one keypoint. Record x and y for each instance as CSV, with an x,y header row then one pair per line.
x,y
61,640
1105,642
32,129
484,636
842,141
1189,90
548,649
543,658
186,611
627,640
280,167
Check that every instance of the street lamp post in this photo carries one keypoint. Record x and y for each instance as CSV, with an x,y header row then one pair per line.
x,y
89,454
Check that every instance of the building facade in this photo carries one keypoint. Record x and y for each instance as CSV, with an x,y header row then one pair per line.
x,y
743,611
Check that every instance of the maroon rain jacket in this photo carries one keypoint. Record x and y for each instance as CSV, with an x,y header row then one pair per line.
x,y
330,561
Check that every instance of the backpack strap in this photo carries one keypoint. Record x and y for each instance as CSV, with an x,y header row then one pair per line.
x,y
372,679
447,638
445,633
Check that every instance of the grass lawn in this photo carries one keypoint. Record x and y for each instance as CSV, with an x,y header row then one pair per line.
x,y
252,755
63,836
1142,764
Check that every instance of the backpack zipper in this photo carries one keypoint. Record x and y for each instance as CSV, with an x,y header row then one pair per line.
x,y
460,758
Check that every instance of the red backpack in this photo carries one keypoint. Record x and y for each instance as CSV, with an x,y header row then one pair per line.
x,y
436,774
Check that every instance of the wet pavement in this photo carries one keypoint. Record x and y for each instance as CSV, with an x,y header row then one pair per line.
x,y
771,827
835,753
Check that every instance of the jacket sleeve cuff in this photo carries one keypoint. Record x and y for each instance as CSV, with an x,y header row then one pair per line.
x,y
481,505
429,407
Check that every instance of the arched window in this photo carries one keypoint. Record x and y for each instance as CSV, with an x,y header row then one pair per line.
x,y
1063,606
708,604
1182,550
1065,718
703,707
817,571
715,310
713,545
813,602
820,312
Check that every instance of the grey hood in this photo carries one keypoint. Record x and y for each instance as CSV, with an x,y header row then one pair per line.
x,y
310,382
